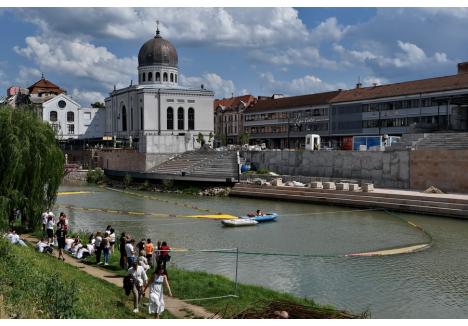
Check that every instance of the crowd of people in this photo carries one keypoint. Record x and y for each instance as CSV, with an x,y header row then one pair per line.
x,y
137,257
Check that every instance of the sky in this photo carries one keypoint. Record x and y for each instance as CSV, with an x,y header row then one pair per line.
x,y
258,51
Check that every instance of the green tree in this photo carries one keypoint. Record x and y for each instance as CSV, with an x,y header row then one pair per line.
x,y
201,139
244,138
98,105
31,166
223,139
210,137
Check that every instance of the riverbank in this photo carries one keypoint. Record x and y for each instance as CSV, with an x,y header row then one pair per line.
x,y
37,285
449,205
190,285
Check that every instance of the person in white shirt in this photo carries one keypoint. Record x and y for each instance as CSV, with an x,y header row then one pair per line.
x,y
143,261
14,238
140,280
42,245
50,228
97,247
130,250
45,215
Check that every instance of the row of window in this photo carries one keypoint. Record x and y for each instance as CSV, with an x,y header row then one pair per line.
x,y
403,122
287,115
53,116
70,128
180,118
157,77
397,105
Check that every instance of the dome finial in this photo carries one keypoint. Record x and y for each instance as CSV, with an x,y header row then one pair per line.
x,y
157,29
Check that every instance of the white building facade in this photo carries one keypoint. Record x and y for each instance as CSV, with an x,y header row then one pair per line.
x,y
71,121
158,115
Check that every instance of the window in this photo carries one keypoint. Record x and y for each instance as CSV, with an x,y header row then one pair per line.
x,y
172,77
170,118
144,77
175,78
180,118
131,118
150,76
124,118
87,115
165,77
157,77
70,116
71,129
53,116
141,118
62,104
191,119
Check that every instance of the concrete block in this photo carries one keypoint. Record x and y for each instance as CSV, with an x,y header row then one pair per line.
x,y
316,185
342,186
329,185
368,187
353,187
278,182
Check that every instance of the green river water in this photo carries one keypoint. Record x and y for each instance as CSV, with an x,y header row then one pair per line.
x,y
428,284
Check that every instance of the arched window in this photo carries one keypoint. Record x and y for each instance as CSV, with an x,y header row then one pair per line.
x,y
180,118
175,78
170,118
144,77
124,118
139,78
142,125
165,77
150,76
172,77
131,118
53,116
70,116
157,76
191,119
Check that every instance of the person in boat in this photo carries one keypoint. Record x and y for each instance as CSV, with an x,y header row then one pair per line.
x,y
260,213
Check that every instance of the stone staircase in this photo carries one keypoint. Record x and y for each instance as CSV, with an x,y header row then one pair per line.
x,y
420,203
202,164
458,140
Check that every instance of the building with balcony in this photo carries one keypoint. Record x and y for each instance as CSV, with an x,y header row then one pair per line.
x,y
228,118
284,122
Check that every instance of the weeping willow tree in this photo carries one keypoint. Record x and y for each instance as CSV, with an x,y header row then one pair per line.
x,y
31,166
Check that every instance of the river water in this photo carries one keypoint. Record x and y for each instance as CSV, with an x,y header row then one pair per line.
x,y
428,284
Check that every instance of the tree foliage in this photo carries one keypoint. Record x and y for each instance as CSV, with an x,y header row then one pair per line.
x,y
98,105
244,138
31,166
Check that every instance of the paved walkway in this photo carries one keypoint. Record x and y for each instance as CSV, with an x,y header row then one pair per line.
x,y
177,307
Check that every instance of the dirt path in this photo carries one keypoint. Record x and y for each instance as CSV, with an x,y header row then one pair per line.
x,y
177,307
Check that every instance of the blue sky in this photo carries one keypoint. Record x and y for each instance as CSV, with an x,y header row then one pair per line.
x,y
259,51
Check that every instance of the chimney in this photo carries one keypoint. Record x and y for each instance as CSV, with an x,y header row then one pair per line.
x,y
358,85
463,67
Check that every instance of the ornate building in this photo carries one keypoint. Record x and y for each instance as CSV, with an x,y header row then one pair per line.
x,y
158,115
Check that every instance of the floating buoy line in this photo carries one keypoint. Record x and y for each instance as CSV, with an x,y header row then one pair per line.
x,y
218,215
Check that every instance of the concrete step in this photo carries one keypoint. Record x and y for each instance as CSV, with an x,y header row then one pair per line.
x,y
363,202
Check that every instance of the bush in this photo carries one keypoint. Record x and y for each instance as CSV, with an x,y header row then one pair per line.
x,y
127,180
262,171
95,176
168,184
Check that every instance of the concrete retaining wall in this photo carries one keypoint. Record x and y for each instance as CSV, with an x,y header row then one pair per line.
x,y
76,177
445,169
122,160
384,169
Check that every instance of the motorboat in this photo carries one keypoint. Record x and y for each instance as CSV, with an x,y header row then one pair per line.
x,y
239,222
262,218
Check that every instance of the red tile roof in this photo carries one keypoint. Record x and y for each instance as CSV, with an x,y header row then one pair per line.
x,y
436,84
293,101
233,102
44,85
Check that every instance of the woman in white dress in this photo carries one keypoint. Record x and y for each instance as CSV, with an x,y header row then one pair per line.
x,y
156,297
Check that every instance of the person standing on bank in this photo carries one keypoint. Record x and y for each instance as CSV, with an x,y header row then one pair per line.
x,y
105,245
164,257
149,249
156,297
97,247
130,250
50,229
140,282
61,234
123,252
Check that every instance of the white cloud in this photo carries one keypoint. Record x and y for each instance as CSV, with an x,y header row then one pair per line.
x,y
27,76
308,56
79,58
211,81
328,30
232,27
304,85
87,97
371,80
409,56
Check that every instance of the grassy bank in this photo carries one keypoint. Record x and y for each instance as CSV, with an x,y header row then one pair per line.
x,y
194,285
36,285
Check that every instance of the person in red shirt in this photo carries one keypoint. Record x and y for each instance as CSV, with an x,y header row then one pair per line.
x,y
164,256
